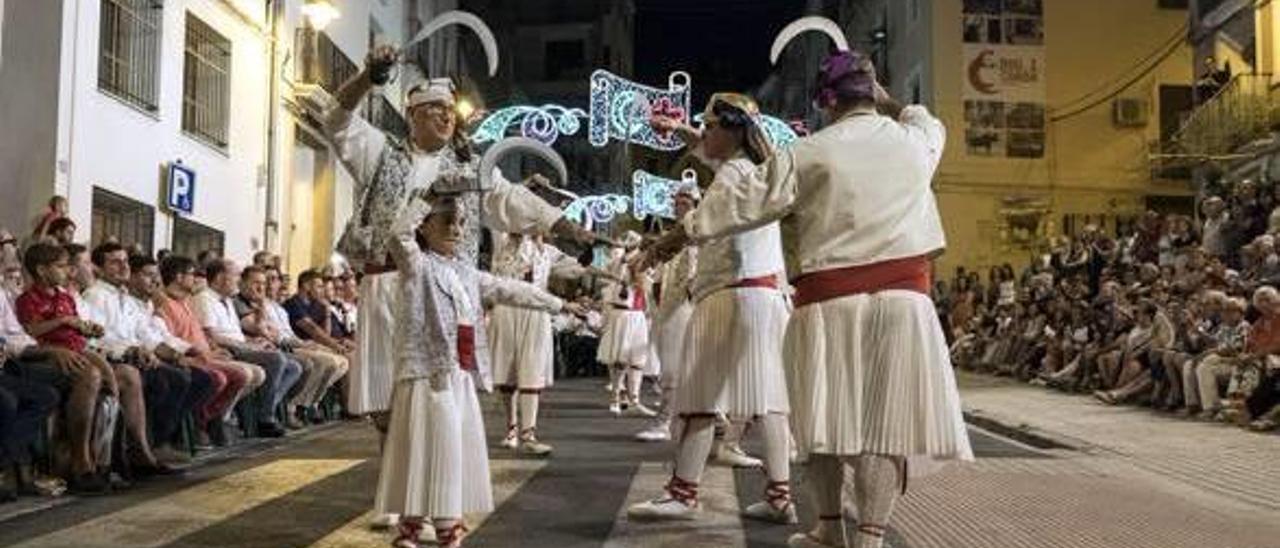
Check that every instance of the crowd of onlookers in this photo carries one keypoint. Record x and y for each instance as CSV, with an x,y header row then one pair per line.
x,y
119,365
1178,314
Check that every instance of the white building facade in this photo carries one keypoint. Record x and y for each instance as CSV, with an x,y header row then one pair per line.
x,y
98,98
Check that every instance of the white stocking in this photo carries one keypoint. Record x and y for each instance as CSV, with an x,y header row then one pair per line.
x,y
695,445
826,482
528,412
877,485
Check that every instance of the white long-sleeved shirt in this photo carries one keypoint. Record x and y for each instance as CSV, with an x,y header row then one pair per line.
x,y
127,321
855,193
438,294
753,253
16,339
506,208
528,260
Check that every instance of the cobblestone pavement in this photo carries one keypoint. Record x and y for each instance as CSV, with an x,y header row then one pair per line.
x,y
1127,479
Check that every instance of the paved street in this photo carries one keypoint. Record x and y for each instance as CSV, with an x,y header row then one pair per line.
x,y
314,490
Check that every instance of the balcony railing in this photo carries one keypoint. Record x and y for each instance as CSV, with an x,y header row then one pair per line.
x,y
1242,112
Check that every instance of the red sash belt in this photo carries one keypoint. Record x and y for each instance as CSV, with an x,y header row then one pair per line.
x,y
767,282
467,347
910,274
637,299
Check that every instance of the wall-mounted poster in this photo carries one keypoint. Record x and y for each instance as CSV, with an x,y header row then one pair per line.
x,y
1004,78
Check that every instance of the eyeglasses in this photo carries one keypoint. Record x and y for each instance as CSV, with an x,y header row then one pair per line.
x,y
8,241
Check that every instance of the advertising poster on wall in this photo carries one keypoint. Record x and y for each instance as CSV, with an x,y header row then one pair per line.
x,y
1004,78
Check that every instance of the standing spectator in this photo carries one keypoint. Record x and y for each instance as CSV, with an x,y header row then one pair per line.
x,y
1216,218
216,310
57,209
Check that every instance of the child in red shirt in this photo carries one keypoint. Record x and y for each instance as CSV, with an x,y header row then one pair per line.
x,y
48,312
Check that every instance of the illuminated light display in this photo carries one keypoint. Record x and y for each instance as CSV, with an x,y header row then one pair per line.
x,y
778,132
544,124
654,195
620,109
597,209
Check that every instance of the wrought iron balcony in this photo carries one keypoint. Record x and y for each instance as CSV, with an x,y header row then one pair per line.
x,y
1241,112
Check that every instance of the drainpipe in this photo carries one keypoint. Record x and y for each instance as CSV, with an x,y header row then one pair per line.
x,y
271,224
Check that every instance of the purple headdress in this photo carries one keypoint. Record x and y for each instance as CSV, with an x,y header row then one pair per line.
x,y
845,76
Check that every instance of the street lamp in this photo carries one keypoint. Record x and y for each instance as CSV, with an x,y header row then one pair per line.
x,y
319,13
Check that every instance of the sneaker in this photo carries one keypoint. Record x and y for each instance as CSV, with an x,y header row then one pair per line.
x,y
531,446
763,511
655,433
809,540
511,441
638,408
732,455
615,409
383,522
665,508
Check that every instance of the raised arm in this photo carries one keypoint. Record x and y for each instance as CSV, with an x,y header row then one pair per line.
x,y
505,291
404,240
358,144
744,197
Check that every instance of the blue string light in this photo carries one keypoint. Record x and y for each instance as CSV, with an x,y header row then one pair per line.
x,y
654,195
778,132
545,123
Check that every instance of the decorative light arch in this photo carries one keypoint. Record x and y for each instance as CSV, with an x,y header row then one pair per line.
x,y
544,124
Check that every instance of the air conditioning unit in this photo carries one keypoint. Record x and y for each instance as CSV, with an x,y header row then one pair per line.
x,y
1129,112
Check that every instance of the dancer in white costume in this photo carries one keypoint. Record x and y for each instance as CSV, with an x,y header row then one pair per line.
x,y
386,171
624,345
733,350
671,321
522,339
436,461
869,377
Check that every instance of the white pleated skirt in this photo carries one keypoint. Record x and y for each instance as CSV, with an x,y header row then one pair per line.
x,y
372,369
521,347
435,462
625,340
733,355
871,374
668,340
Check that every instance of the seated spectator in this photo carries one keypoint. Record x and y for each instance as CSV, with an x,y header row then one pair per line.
x,y
1216,367
128,340
25,405
321,369
216,309
133,404
312,320
48,313
58,208
337,362
231,378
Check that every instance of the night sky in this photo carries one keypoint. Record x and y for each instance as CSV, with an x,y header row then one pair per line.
x,y
722,44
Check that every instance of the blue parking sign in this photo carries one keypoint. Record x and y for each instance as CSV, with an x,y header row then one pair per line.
x,y
181,188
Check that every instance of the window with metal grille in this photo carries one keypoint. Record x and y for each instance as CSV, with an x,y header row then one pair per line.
x,y
191,238
129,51
206,83
127,221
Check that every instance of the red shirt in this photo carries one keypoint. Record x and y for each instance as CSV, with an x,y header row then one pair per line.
x,y
38,304
1264,336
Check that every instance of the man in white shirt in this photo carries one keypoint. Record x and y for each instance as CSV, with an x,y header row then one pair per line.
x,y
165,382
217,314
144,284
